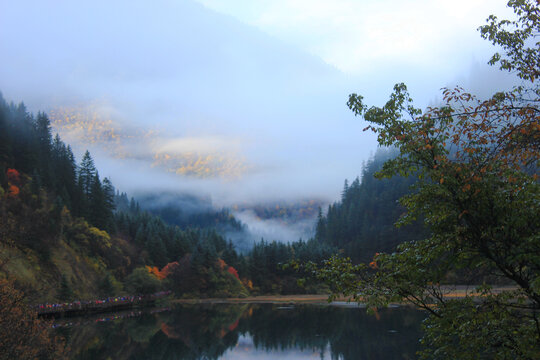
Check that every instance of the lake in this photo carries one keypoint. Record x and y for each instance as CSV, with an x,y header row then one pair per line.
x,y
246,331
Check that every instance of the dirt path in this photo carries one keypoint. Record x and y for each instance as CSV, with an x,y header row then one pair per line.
x,y
454,292
271,299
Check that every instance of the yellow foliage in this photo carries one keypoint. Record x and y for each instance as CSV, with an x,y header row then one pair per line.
x,y
101,235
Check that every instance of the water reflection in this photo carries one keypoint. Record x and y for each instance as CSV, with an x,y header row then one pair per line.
x,y
242,331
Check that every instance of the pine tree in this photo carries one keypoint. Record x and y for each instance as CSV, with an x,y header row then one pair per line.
x,y
5,139
69,177
156,250
44,146
101,208
229,255
320,232
345,190
108,203
43,129
87,173
65,292
23,139
108,193
106,286
140,236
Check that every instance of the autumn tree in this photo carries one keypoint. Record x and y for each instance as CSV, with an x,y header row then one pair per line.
x,y
23,335
478,191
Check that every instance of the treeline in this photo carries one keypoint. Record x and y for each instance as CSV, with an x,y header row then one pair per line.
x,y
286,212
186,210
362,222
27,145
76,236
62,236
359,225
50,200
267,270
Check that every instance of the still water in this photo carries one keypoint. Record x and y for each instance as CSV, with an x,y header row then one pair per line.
x,y
246,331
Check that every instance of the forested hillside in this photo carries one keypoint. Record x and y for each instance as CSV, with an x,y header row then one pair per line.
x,y
62,238
362,223
66,233
185,210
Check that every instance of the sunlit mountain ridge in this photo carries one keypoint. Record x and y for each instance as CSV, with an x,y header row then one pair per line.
x,y
93,125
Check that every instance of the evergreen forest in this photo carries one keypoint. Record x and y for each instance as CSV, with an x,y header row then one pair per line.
x,y
67,233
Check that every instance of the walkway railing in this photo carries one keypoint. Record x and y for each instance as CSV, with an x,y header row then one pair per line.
x,y
81,307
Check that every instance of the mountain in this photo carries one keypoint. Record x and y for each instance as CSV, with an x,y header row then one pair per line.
x,y
362,222
63,237
177,97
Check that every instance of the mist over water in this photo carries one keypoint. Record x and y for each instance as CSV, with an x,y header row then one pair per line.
x,y
272,229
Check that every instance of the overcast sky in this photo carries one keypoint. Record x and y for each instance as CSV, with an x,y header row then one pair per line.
x,y
239,100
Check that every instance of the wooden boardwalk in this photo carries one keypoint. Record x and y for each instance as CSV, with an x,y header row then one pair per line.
x,y
78,308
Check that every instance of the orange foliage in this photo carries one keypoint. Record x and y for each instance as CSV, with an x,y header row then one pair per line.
x,y
221,264
169,331
247,283
373,264
155,271
168,269
23,335
13,191
13,176
233,325
233,271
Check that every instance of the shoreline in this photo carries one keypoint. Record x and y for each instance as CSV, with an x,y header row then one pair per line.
x,y
260,299
285,300
78,309
456,292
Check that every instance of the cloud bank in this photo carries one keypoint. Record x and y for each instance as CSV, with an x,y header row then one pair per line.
x,y
242,102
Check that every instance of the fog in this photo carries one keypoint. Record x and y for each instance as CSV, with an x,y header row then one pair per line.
x,y
172,96
201,83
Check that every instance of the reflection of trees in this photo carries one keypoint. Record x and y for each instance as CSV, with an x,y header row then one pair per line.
x,y
189,332
351,333
196,332
207,332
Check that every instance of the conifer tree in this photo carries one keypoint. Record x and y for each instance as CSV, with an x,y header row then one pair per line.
x,y
87,173
5,141
24,153
97,208
44,146
65,292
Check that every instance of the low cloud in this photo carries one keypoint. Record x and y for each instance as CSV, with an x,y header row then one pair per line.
x,y
178,98
201,144
257,229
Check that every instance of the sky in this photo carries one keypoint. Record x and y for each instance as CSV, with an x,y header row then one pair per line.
x,y
236,100
357,35
246,349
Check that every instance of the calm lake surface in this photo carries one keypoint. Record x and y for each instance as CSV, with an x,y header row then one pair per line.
x,y
246,331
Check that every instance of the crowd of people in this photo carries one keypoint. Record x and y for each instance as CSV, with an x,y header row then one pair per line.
x,y
109,302
65,323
